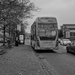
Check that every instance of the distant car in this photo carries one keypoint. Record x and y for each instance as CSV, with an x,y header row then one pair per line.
x,y
65,42
71,48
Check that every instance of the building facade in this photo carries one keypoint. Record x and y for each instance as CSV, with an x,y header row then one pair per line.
x,y
68,31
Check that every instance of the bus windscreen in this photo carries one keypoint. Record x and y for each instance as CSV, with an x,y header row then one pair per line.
x,y
47,30
47,25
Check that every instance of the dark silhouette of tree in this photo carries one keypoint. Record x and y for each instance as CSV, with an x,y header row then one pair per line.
x,y
60,33
12,12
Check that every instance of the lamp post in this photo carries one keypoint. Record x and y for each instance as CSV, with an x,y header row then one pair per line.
x,y
4,27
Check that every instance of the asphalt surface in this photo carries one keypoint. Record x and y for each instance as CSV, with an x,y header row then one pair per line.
x,y
58,62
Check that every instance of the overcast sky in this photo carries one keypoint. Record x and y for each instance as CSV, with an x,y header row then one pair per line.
x,y
63,10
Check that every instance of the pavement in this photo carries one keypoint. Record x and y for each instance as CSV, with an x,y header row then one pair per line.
x,y
20,60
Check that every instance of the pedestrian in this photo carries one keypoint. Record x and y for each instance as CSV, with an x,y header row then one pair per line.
x,y
16,41
8,43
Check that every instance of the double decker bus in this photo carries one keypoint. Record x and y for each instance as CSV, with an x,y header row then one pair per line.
x,y
44,33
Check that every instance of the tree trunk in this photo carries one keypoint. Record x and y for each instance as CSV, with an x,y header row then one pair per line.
x,y
4,36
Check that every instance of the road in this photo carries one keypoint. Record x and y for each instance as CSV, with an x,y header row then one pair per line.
x,y
58,62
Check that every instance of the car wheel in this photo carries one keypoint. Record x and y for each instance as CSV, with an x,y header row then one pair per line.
x,y
74,51
67,49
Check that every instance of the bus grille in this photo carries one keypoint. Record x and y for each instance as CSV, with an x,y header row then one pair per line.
x,y
47,44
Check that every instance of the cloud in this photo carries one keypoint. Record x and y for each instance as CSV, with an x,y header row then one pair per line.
x,y
57,4
54,7
63,10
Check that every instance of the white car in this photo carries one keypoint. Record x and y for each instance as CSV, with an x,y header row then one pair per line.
x,y
65,42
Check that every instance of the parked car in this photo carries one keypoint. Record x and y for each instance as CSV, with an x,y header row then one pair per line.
x,y
65,42
71,48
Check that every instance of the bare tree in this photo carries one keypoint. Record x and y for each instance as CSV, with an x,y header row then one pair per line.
x,y
12,12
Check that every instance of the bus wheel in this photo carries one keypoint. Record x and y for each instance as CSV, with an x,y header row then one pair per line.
x,y
31,45
74,51
35,47
23,42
